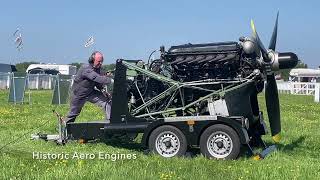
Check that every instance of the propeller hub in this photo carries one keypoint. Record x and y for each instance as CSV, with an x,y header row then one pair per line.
x,y
285,60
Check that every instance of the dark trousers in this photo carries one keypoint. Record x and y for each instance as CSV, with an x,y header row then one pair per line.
x,y
97,98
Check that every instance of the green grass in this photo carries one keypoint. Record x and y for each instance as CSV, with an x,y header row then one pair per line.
x,y
298,156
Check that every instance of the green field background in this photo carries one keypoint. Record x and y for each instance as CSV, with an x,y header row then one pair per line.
x,y
298,155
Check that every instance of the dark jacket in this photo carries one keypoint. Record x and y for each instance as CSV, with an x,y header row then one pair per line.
x,y
86,79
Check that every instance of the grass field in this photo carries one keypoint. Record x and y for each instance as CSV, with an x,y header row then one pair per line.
x,y
298,156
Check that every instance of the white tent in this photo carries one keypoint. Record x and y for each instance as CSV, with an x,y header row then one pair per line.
x,y
303,72
62,68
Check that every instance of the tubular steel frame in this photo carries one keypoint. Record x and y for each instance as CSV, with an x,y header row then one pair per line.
x,y
176,88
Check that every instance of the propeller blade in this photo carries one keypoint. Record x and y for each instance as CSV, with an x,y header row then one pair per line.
x,y
259,43
273,107
273,40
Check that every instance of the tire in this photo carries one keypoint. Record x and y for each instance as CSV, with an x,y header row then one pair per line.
x,y
167,141
220,142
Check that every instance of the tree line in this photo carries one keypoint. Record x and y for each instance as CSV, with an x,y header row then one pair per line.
x,y
22,67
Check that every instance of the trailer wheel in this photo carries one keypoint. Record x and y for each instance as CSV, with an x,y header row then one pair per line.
x,y
220,142
168,141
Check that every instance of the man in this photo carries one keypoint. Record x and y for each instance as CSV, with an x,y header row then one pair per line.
x,y
87,86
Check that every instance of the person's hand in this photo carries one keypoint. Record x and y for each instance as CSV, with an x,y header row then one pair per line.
x,y
109,74
106,94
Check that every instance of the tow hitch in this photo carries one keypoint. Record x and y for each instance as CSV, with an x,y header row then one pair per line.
x,y
60,138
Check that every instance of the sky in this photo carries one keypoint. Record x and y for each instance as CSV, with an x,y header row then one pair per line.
x,y
55,31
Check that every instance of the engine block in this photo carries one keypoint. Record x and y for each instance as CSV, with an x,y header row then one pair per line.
x,y
201,68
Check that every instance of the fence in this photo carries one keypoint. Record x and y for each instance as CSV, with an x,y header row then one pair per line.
x,y
37,81
45,81
34,81
298,88
5,80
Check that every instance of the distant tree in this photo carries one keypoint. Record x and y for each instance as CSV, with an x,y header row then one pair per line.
x,y
22,67
301,65
106,67
285,72
78,65
109,67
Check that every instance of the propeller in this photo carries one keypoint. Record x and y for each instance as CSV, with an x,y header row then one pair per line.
x,y
273,61
273,40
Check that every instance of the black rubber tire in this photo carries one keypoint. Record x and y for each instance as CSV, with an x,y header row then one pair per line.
x,y
180,136
234,152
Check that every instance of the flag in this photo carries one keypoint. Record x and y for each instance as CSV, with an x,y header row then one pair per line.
x,y
18,39
14,34
89,42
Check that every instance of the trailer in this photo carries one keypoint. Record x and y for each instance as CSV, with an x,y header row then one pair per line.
x,y
194,95
229,123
